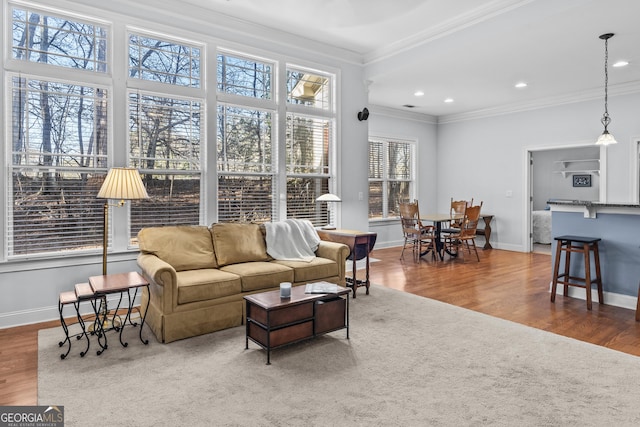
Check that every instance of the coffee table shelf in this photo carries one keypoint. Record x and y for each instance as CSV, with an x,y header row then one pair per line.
x,y
274,322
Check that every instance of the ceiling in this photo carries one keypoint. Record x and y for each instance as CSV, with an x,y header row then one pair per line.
x,y
472,51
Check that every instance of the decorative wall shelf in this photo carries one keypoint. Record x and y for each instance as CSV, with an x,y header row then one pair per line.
x,y
569,172
576,171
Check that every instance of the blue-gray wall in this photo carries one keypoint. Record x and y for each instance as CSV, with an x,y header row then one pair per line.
x,y
619,248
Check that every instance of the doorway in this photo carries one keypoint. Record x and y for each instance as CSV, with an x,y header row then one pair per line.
x,y
562,173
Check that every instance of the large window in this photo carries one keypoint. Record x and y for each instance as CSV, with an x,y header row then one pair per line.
x,y
390,177
59,135
246,152
308,141
245,164
164,143
80,105
309,144
165,130
250,168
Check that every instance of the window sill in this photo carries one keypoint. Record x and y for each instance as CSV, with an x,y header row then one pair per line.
x,y
382,222
43,263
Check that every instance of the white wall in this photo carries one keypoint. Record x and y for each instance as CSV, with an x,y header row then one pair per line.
x,y
389,123
488,157
353,160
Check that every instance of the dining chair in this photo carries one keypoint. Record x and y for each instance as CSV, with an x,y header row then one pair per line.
x,y
416,234
466,235
457,208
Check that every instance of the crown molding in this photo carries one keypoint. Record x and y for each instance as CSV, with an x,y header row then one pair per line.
x,y
554,101
396,113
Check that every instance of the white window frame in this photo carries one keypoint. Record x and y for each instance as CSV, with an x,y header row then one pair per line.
x,y
179,92
52,73
385,140
280,109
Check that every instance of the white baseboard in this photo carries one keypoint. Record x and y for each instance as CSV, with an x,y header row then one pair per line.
x,y
45,314
616,300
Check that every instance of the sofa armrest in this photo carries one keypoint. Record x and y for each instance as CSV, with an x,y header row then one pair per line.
x,y
162,280
337,252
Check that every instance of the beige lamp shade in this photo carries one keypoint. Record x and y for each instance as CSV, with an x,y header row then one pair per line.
x,y
328,197
123,184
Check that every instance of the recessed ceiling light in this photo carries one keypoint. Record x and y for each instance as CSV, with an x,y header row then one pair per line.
x,y
621,64
521,85
448,100
419,93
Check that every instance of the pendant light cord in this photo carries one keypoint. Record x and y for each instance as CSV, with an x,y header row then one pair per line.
x,y
606,77
605,117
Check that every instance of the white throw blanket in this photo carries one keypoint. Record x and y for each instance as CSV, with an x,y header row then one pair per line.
x,y
292,240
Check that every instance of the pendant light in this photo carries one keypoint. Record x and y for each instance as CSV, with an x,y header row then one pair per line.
x,y
606,138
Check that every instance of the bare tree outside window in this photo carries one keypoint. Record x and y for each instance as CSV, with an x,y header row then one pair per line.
x,y
246,184
59,133
165,133
390,177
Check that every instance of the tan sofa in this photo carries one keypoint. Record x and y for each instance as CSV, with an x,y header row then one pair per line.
x,y
199,275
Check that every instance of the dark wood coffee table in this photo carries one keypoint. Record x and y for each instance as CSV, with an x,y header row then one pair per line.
x,y
273,322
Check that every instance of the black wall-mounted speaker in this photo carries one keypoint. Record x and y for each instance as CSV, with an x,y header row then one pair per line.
x,y
363,115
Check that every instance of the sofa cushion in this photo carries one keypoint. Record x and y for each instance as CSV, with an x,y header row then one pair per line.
x,y
318,268
184,247
236,243
260,275
206,284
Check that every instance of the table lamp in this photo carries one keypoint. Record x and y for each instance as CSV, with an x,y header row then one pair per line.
x,y
330,198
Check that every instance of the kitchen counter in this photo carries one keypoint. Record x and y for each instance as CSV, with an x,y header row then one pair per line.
x,y
618,225
591,209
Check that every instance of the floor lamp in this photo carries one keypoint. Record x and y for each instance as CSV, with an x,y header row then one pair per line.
x,y
120,184
329,198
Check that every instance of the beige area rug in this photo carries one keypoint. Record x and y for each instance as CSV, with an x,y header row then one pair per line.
x,y
410,361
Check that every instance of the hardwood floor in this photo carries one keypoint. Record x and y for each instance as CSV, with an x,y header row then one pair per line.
x,y
509,285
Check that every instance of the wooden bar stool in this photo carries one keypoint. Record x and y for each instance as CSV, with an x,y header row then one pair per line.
x,y
583,245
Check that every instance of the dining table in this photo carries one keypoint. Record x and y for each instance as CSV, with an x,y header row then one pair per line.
x,y
437,219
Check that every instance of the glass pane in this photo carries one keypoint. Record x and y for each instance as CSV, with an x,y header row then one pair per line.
x,y
173,200
245,198
164,61
308,141
244,76
399,160
44,38
376,160
301,200
165,133
304,88
398,192
58,125
376,199
244,139
54,211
